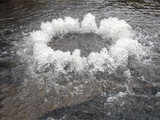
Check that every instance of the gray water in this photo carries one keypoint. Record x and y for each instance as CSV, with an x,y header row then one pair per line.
x,y
19,17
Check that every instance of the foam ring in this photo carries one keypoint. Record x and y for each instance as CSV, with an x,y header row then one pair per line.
x,y
119,31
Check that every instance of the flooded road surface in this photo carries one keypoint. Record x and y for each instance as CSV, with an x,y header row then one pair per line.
x,y
79,59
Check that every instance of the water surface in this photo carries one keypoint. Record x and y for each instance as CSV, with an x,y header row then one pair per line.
x,y
18,18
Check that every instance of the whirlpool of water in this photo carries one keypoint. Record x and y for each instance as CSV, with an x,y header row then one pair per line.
x,y
79,60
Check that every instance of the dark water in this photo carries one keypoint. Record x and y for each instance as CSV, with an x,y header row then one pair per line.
x,y
84,42
18,17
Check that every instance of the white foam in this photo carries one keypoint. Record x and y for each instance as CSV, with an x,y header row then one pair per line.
x,y
78,62
42,52
67,25
115,29
119,31
58,25
98,60
62,59
120,55
71,25
47,27
40,37
89,24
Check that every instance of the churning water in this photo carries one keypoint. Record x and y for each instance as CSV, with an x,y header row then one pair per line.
x,y
80,60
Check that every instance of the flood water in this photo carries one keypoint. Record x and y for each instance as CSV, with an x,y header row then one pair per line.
x,y
23,88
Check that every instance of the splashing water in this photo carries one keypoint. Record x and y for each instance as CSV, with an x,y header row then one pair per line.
x,y
117,31
63,68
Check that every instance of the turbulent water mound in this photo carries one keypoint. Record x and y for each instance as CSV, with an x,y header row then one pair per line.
x,y
69,61
116,32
